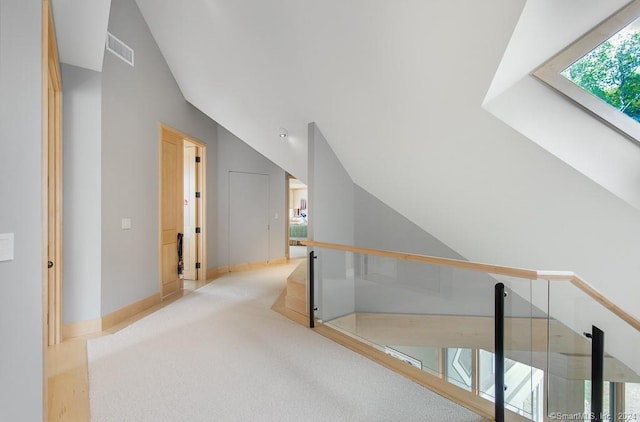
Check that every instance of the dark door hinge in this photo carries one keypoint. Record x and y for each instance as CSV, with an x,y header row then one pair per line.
x,y
197,230
197,194
197,159
197,265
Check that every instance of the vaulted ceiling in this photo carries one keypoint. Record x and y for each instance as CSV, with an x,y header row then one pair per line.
x,y
434,96
394,85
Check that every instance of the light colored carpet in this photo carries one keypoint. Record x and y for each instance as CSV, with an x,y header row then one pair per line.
x,y
221,354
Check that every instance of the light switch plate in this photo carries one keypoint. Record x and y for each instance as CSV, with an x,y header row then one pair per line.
x,y
6,246
126,224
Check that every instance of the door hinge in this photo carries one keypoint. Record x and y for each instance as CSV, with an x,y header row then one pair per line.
x,y
197,194
197,230
197,265
197,159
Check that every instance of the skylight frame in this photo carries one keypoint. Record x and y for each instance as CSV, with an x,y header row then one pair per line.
x,y
549,72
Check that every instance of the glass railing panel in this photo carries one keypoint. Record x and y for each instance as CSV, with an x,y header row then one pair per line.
x,y
436,318
525,349
426,315
440,319
334,284
569,362
425,358
572,313
460,367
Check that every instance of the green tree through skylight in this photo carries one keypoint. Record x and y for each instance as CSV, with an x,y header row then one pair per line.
x,y
611,71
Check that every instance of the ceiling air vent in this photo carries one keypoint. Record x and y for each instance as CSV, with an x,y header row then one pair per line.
x,y
120,49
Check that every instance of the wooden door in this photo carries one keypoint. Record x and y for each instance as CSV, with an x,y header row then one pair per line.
x,y
189,249
171,208
52,180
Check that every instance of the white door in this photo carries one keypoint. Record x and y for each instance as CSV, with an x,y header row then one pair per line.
x,y
248,218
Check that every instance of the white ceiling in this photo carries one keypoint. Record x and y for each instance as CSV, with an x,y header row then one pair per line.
x,y
370,73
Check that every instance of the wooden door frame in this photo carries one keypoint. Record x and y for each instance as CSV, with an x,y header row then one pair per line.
x,y
51,139
201,208
201,241
287,207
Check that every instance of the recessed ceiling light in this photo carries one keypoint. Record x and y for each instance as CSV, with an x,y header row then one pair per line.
x,y
282,132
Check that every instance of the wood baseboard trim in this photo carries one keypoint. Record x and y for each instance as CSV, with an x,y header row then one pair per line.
x,y
82,328
465,398
120,315
280,307
438,385
213,273
279,261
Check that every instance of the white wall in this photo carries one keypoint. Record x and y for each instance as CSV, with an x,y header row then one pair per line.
x,y
135,100
235,155
331,213
393,286
21,358
330,191
379,226
82,237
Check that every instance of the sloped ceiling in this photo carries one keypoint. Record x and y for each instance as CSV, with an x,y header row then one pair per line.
x,y
81,30
372,74
393,85
399,89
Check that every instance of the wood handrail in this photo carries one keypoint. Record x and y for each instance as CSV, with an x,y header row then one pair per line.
x,y
425,259
601,299
491,269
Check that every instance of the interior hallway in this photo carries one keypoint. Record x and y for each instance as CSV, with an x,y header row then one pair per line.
x,y
325,365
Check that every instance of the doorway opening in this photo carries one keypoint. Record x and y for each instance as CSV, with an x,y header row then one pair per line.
x,y
194,273
182,248
298,217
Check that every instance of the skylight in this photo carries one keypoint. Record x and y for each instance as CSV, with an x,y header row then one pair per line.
x,y
601,71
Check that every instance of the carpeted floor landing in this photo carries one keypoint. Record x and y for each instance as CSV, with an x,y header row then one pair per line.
x,y
221,354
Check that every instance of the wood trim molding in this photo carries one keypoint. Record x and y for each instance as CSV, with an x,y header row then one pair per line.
x,y
256,265
592,292
213,273
598,297
425,259
279,261
465,398
167,132
82,328
120,315
280,307
435,383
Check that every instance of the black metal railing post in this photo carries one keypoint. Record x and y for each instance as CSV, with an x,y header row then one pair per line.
x,y
312,321
597,372
499,355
